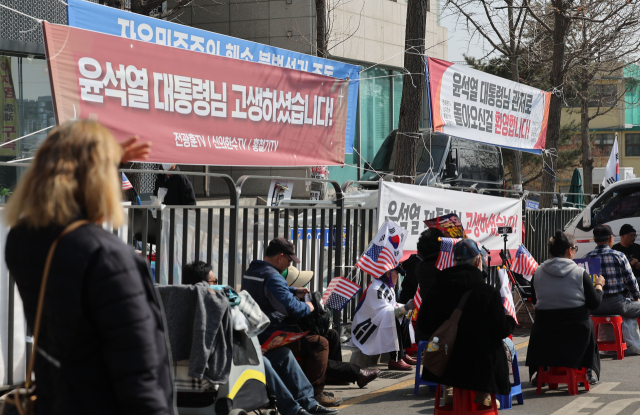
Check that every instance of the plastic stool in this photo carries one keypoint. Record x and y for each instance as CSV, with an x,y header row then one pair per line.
x,y
506,401
618,345
432,386
411,350
570,377
463,404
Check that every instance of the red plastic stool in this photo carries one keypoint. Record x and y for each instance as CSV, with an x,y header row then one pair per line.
x,y
618,346
411,351
463,403
571,377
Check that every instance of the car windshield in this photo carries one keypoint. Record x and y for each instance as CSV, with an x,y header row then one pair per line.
x,y
429,155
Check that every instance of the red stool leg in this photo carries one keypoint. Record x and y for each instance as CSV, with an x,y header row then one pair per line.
x,y
539,389
572,384
617,326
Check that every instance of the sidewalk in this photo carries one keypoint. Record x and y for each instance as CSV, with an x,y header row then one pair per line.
x,y
391,380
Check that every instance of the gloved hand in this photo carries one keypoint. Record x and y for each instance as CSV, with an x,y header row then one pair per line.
x,y
398,311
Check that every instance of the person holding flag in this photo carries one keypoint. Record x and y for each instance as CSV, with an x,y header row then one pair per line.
x,y
563,293
379,325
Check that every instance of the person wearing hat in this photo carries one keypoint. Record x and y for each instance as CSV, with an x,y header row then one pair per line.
x,y
379,325
478,361
264,282
617,272
629,248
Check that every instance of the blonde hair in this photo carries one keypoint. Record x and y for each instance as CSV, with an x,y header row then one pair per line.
x,y
74,173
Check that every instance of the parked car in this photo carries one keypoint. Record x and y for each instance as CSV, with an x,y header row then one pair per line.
x,y
442,159
617,205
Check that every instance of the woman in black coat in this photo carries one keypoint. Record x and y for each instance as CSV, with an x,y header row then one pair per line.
x,y
102,347
478,361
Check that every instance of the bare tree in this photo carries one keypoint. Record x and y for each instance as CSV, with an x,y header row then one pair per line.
x,y
501,23
556,18
602,52
147,7
413,83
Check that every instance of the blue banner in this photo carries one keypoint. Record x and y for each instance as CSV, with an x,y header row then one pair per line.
x,y
91,16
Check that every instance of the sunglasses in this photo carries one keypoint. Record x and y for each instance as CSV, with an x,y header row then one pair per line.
x,y
575,248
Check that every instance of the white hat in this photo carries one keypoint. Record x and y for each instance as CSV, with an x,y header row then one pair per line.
x,y
297,278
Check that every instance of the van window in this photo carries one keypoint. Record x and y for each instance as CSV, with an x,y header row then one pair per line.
x,y
479,163
618,204
430,153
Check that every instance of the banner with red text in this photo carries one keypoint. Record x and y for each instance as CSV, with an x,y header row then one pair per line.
x,y
197,108
474,105
481,215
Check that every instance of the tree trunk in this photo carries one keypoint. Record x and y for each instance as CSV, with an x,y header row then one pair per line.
x,y
321,28
556,77
412,88
587,160
516,162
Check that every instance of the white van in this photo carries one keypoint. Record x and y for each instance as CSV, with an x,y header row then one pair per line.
x,y
617,205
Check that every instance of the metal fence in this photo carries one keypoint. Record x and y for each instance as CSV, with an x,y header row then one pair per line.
x,y
540,225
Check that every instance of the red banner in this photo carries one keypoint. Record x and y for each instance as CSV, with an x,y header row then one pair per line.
x,y
197,108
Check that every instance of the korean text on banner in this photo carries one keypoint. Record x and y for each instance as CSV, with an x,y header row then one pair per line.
x,y
481,215
197,108
91,16
474,105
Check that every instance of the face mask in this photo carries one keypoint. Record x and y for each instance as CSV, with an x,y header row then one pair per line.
x,y
285,273
166,166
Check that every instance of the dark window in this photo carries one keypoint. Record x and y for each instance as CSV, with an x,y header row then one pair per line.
x,y
603,95
618,204
604,142
632,145
480,163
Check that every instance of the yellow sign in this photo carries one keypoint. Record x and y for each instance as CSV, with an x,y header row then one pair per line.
x,y
8,110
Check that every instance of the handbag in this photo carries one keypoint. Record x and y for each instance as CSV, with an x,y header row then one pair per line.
x,y
436,361
22,399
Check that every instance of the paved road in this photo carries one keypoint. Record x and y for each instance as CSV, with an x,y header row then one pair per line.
x,y
618,392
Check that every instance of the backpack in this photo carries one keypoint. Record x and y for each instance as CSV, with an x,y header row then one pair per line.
x,y
318,321
436,361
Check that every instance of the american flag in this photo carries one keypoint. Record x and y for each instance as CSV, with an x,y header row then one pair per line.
x,y
339,292
505,292
126,184
445,257
417,299
524,263
385,250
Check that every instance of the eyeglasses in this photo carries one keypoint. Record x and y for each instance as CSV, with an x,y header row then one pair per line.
x,y
575,248
632,235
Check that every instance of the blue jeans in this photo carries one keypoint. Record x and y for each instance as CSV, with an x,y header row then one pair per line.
x,y
287,381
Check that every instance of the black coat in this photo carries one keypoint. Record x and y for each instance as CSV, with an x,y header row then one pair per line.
x,y
426,274
101,322
179,189
410,280
478,361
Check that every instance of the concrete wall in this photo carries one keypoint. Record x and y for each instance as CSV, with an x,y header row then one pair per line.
x,y
365,30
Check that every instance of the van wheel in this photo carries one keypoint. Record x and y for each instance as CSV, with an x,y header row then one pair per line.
x,y
238,412
269,412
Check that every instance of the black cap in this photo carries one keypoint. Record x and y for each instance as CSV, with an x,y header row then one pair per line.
x,y
601,233
626,228
400,270
280,245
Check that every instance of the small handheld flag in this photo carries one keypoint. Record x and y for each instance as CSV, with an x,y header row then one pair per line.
x,y
524,263
445,257
505,293
339,292
126,184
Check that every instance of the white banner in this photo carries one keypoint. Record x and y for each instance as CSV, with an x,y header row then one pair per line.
x,y
474,105
481,215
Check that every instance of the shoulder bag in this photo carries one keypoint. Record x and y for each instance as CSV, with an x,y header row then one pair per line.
x,y
22,399
436,361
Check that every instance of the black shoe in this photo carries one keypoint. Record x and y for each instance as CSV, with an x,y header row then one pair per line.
x,y
319,409
302,412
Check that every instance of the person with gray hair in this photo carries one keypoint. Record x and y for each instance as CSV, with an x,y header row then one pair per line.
x,y
478,361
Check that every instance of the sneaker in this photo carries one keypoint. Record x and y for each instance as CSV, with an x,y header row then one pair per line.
x,y
367,376
399,365
327,400
409,360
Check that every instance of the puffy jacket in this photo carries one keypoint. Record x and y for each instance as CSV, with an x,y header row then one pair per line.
x,y
277,300
179,189
102,328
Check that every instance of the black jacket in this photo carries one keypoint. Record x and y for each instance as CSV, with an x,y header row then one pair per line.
x,y
179,189
101,322
410,280
478,361
426,274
